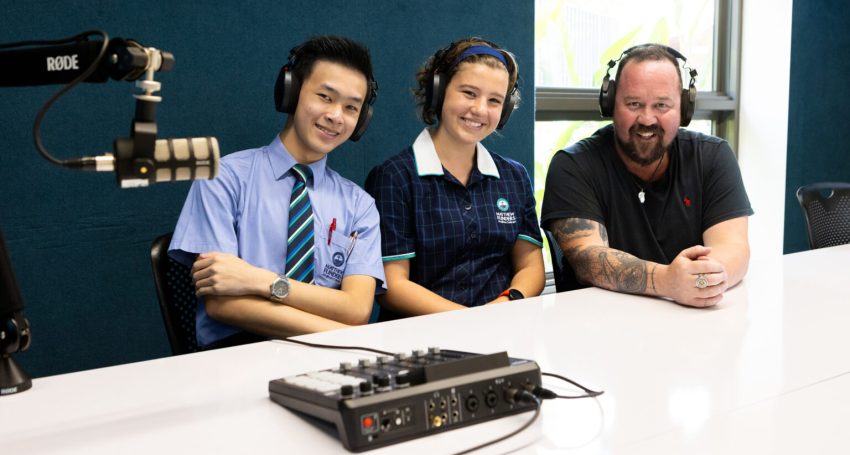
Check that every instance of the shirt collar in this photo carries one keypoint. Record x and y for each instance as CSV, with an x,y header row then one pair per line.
x,y
282,161
428,163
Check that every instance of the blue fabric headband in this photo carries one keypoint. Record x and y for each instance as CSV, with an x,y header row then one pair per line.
x,y
479,50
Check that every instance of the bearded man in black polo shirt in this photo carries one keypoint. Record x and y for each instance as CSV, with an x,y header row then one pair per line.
x,y
643,206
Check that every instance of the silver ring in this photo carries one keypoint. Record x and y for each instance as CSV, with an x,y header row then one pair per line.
x,y
702,281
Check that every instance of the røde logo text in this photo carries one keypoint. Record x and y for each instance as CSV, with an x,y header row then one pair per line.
x,y
62,63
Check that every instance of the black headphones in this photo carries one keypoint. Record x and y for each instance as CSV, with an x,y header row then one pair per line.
x,y
288,87
435,92
608,91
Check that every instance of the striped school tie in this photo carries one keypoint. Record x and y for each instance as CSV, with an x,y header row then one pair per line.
x,y
299,243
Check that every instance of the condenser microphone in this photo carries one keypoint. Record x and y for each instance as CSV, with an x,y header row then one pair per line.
x,y
170,160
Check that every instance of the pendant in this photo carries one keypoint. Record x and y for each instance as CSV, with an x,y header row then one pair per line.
x,y
641,196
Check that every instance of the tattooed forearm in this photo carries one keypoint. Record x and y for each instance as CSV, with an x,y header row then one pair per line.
x,y
609,269
569,229
598,264
652,278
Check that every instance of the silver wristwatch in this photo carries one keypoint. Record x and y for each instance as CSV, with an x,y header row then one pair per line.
x,y
279,289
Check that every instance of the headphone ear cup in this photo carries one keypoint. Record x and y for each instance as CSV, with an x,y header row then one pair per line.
x,y
362,123
286,91
689,99
434,94
607,95
507,110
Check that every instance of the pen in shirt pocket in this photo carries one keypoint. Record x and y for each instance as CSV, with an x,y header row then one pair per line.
x,y
353,239
331,231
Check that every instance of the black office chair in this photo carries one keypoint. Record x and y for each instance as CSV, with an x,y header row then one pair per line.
x,y
565,277
176,295
557,261
826,208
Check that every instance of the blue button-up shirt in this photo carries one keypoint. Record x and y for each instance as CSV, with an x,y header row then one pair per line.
x,y
245,211
458,238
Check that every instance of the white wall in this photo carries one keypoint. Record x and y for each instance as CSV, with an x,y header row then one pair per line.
x,y
763,116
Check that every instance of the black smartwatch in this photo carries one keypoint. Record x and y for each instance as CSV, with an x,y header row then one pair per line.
x,y
512,294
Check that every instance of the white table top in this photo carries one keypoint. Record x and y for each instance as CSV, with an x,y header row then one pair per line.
x,y
767,371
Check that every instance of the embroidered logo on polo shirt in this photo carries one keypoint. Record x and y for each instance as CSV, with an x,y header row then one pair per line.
x,y
503,216
687,201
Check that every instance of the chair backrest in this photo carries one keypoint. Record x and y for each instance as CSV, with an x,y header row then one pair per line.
x,y
565,277
557,261
177,299
826,208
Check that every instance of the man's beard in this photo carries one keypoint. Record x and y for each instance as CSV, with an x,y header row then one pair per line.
x,y
655,151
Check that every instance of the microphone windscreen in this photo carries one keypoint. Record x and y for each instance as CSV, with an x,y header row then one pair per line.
x,y
194,158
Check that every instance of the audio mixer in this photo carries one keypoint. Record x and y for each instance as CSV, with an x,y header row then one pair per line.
x,y
382,401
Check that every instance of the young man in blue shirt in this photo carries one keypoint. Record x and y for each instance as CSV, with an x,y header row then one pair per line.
x,y
268,258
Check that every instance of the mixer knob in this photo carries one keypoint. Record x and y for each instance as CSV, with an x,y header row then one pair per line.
x,y
383,382
402,378
366,388
346,391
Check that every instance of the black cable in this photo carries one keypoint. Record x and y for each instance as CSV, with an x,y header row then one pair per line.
x,y
523,396
548,394
36,129
334,346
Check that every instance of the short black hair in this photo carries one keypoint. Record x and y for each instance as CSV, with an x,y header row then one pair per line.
x,y
334,49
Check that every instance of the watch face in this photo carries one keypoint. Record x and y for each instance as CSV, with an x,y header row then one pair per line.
x,y
514,294
280,288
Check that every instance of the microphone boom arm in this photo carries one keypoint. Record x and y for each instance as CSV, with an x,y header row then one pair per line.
x,y
139,160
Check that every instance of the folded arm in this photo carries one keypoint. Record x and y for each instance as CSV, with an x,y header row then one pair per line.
x,y
529,275
406,297
730,246
585,245
237,292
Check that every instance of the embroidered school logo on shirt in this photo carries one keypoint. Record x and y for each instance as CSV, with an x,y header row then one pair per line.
x,y
334,272
503,215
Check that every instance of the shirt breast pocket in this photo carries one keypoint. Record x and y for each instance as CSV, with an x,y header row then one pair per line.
x,y
331,258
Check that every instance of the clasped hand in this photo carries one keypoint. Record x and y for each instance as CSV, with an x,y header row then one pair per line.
x,y
682,276
217,273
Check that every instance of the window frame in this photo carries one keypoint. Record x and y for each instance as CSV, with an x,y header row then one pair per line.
x,y
720,105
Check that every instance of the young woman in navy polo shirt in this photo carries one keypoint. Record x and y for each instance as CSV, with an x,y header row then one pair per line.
x,y
458,223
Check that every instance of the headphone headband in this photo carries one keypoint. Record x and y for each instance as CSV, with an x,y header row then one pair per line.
x,y
287,88
608,91
435,91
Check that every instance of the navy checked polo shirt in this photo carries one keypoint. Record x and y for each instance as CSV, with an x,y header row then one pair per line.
x,y
458,239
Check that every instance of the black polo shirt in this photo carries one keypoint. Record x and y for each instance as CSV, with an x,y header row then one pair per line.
x,y
701,187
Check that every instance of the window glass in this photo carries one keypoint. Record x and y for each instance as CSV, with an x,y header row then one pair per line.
x,y
575,39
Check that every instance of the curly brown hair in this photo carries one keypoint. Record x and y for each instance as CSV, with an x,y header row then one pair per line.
x,y
443,63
